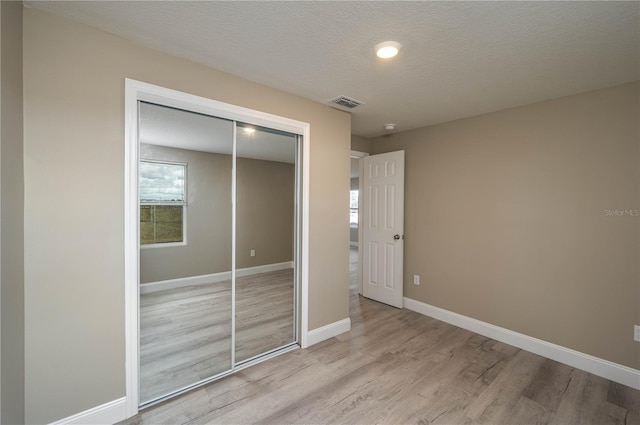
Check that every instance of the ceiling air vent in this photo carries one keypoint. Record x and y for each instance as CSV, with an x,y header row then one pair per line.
x,y
346,102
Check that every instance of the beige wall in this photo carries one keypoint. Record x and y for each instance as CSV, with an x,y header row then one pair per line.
x,y
265,212
360,144
12,214
355,184
505,219
74,150
353,233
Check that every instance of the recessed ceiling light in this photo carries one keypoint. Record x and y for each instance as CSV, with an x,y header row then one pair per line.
x,y
249,130
390,126
387,49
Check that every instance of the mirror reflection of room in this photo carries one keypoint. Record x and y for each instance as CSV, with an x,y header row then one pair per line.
x,y
186,239
185,248
265,167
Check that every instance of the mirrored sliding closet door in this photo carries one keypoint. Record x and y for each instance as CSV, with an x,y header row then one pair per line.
x,y
265,239
205,307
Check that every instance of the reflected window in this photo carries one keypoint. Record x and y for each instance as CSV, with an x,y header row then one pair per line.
x,y
353,208
163,203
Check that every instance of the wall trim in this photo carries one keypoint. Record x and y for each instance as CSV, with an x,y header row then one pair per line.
x,y
604,368
328,331
108,413
147,288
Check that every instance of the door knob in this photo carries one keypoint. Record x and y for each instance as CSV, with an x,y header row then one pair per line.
x,y
396,237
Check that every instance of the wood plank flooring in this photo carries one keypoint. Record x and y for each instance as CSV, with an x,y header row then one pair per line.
x,y
185,333
399,367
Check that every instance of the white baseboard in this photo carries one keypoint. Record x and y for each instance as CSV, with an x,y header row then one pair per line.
x,y
353,243
328,331
146,288
108,413
597,366
264,268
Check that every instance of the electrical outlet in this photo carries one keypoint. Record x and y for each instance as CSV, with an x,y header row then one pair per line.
x,y
636,333
252,252
416,279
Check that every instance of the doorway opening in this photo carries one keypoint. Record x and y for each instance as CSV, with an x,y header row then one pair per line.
x,y
355,228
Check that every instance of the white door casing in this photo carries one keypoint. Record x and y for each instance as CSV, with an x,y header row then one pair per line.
x,y
383,227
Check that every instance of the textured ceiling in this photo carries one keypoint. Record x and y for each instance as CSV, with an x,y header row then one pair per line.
x,y
458,59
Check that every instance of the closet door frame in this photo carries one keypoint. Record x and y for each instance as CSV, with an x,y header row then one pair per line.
x,y
139,91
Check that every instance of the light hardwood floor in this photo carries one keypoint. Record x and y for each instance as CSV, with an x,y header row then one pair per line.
x,y
185,333
399,367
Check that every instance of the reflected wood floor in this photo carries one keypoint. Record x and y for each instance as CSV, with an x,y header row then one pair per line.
x,y
185,333
399,367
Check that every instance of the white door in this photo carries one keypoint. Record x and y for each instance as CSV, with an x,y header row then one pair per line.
x,y
383,227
